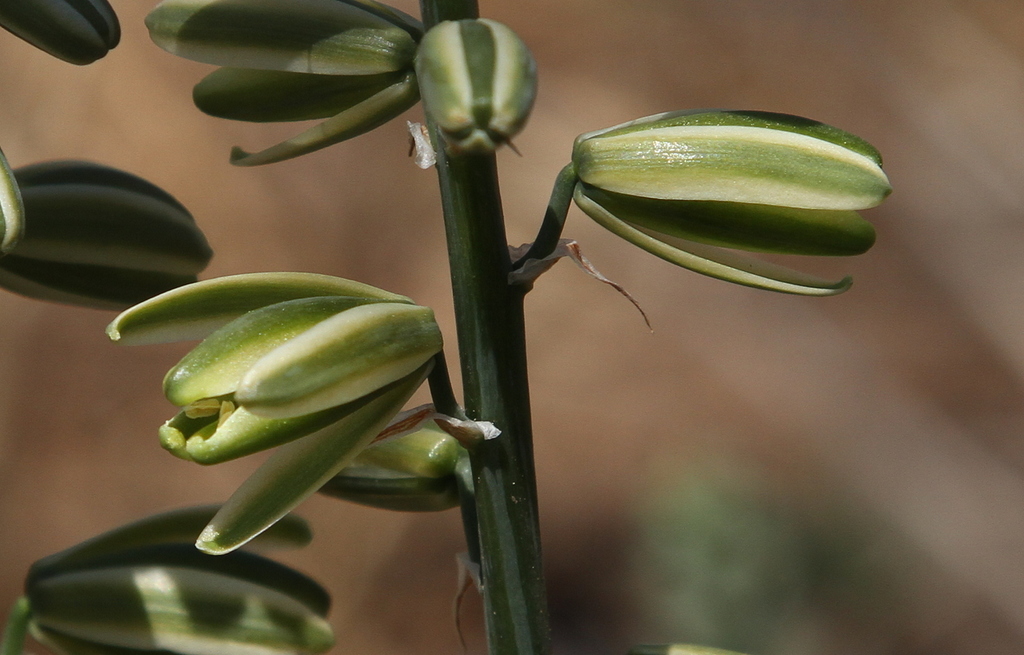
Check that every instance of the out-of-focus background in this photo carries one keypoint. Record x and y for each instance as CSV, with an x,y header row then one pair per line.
x,y
762,472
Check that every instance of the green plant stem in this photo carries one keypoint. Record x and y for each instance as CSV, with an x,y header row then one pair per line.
x,y
13,642
492,352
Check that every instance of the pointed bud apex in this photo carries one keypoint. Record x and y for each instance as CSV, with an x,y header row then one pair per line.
x,y
77,31
100,237
478,81
685,185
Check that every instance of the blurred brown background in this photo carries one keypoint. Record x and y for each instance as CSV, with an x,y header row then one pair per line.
x,y
763,472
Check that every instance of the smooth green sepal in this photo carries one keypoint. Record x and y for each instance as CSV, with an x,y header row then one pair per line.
x,y
731,163
340,360
760,228
212,440
263,96
428,452
215,367
179,525
478,81
12,210
349,123
76,31
711,261
298,469
399,494
302,36
197,310
184,610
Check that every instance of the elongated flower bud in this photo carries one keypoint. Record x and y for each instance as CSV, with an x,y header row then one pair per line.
x,y
302,36
478,81
684,185
143,588
411,473
100,237
77,31
300,468
191,610
347,61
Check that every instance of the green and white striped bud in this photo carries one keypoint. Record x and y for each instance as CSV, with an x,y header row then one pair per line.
x,y
684,185
327,37
411,473
99,237
77,31
348,61
175,599
478,81
143,587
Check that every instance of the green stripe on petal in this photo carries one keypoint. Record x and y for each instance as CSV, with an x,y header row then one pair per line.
x,y
298,469
734,164
340,360
197,310
215,367
12,210
302,36
711,261
359,119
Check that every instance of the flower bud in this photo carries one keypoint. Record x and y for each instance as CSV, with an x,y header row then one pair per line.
x,y
303,36
142,587
411,473
173,598
77,31
349,61
684,185
99,237
478,81
298,469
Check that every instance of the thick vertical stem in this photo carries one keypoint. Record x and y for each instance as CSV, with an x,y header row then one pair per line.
x,y
492,351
